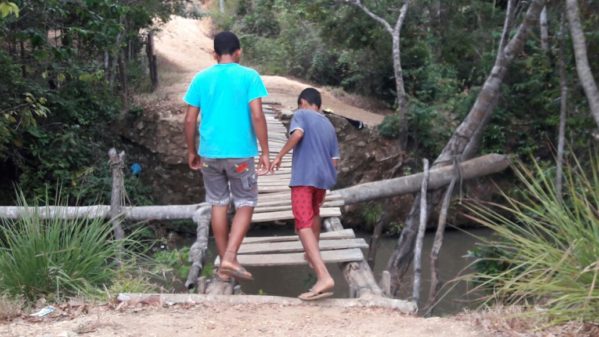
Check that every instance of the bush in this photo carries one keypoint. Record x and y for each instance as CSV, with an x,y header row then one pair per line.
x,y
547,248
56,258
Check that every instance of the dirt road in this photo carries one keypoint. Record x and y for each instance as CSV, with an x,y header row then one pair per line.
x,y
217,320
184,47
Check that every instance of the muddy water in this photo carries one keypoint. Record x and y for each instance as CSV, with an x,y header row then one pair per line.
x,y
292,280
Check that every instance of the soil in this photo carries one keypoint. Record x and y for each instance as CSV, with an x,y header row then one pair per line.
x,y
238,320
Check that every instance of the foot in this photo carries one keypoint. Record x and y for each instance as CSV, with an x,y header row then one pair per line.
x,y
322,289
219,275
235,270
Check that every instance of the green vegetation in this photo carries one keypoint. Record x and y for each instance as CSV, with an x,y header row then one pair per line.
x,y
545,250
447,50
56,258
61,66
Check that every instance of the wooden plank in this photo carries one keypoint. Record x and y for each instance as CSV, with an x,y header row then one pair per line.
x,y
343,234
266,260
288,215
287,206
287,201
296,246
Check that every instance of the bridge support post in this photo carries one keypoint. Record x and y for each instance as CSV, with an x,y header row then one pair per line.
x,y
358,274
197,253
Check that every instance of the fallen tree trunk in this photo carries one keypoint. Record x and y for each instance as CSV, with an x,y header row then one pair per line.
x,y
197,252
439,177
171,299
167,212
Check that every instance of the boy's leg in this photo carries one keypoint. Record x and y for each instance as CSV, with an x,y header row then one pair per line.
x,y
242,179
239,228
325,281
218,195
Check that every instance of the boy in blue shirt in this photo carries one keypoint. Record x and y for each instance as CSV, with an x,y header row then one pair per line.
x,y
313,171
228,98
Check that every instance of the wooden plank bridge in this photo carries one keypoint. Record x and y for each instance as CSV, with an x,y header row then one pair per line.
x,y
274,204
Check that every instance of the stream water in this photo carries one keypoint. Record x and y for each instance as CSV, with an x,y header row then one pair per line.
x,y
292,280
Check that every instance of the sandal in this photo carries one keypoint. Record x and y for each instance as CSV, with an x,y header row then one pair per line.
x,y
312,295
239,272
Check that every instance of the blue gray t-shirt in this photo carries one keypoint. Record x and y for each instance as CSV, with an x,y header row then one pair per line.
x,y
312,162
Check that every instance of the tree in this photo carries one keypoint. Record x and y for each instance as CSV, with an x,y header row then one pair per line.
x,y
465,140
582,61
395,32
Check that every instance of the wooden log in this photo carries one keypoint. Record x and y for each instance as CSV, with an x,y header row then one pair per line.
x,y
171,299
291,259
197,253
167,212
296,246
477,167
117,197
357,274
420,236
218,287
343,234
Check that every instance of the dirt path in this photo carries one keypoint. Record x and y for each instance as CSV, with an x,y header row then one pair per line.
x,y
184,46
240,320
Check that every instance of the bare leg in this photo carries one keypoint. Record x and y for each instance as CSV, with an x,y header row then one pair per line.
x,y
316,230
240,226
220,228
325,281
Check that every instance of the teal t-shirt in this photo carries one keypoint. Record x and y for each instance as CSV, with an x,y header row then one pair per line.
x,y
223,92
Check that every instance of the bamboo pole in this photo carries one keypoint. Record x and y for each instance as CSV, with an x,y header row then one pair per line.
x,y
420,236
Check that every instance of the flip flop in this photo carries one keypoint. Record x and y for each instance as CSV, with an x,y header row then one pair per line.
x,y
220,278
239,272
315,295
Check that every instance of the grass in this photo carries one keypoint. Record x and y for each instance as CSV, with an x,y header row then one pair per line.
x,y
57,258
549,247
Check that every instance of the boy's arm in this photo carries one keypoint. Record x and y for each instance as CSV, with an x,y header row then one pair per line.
x,y
191,125
261,130
295,137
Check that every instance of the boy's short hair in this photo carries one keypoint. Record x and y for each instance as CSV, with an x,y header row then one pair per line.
x,y
311,96
226,43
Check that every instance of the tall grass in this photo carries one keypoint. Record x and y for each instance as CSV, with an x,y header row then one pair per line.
x,y
548,245
56,258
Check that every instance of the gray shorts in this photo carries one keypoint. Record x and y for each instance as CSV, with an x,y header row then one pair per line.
x,y
224,178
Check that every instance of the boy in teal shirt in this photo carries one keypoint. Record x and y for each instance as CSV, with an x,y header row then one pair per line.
x,y
228,98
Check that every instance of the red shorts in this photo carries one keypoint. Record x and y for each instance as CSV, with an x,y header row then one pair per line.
x,y
305,204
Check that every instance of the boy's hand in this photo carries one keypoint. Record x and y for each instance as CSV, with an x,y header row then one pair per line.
x,y
194,161
276,163
263,164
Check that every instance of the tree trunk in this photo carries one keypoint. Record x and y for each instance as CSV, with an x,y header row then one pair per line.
x,y
439,177
466,138
221,6
420,236
544,30
395,32
583,68
373,245
438,243
563,83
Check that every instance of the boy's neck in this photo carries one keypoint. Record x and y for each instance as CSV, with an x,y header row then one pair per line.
x,y
226,59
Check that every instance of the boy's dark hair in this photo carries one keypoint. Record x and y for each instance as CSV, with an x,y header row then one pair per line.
x,y
226,43
311,96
